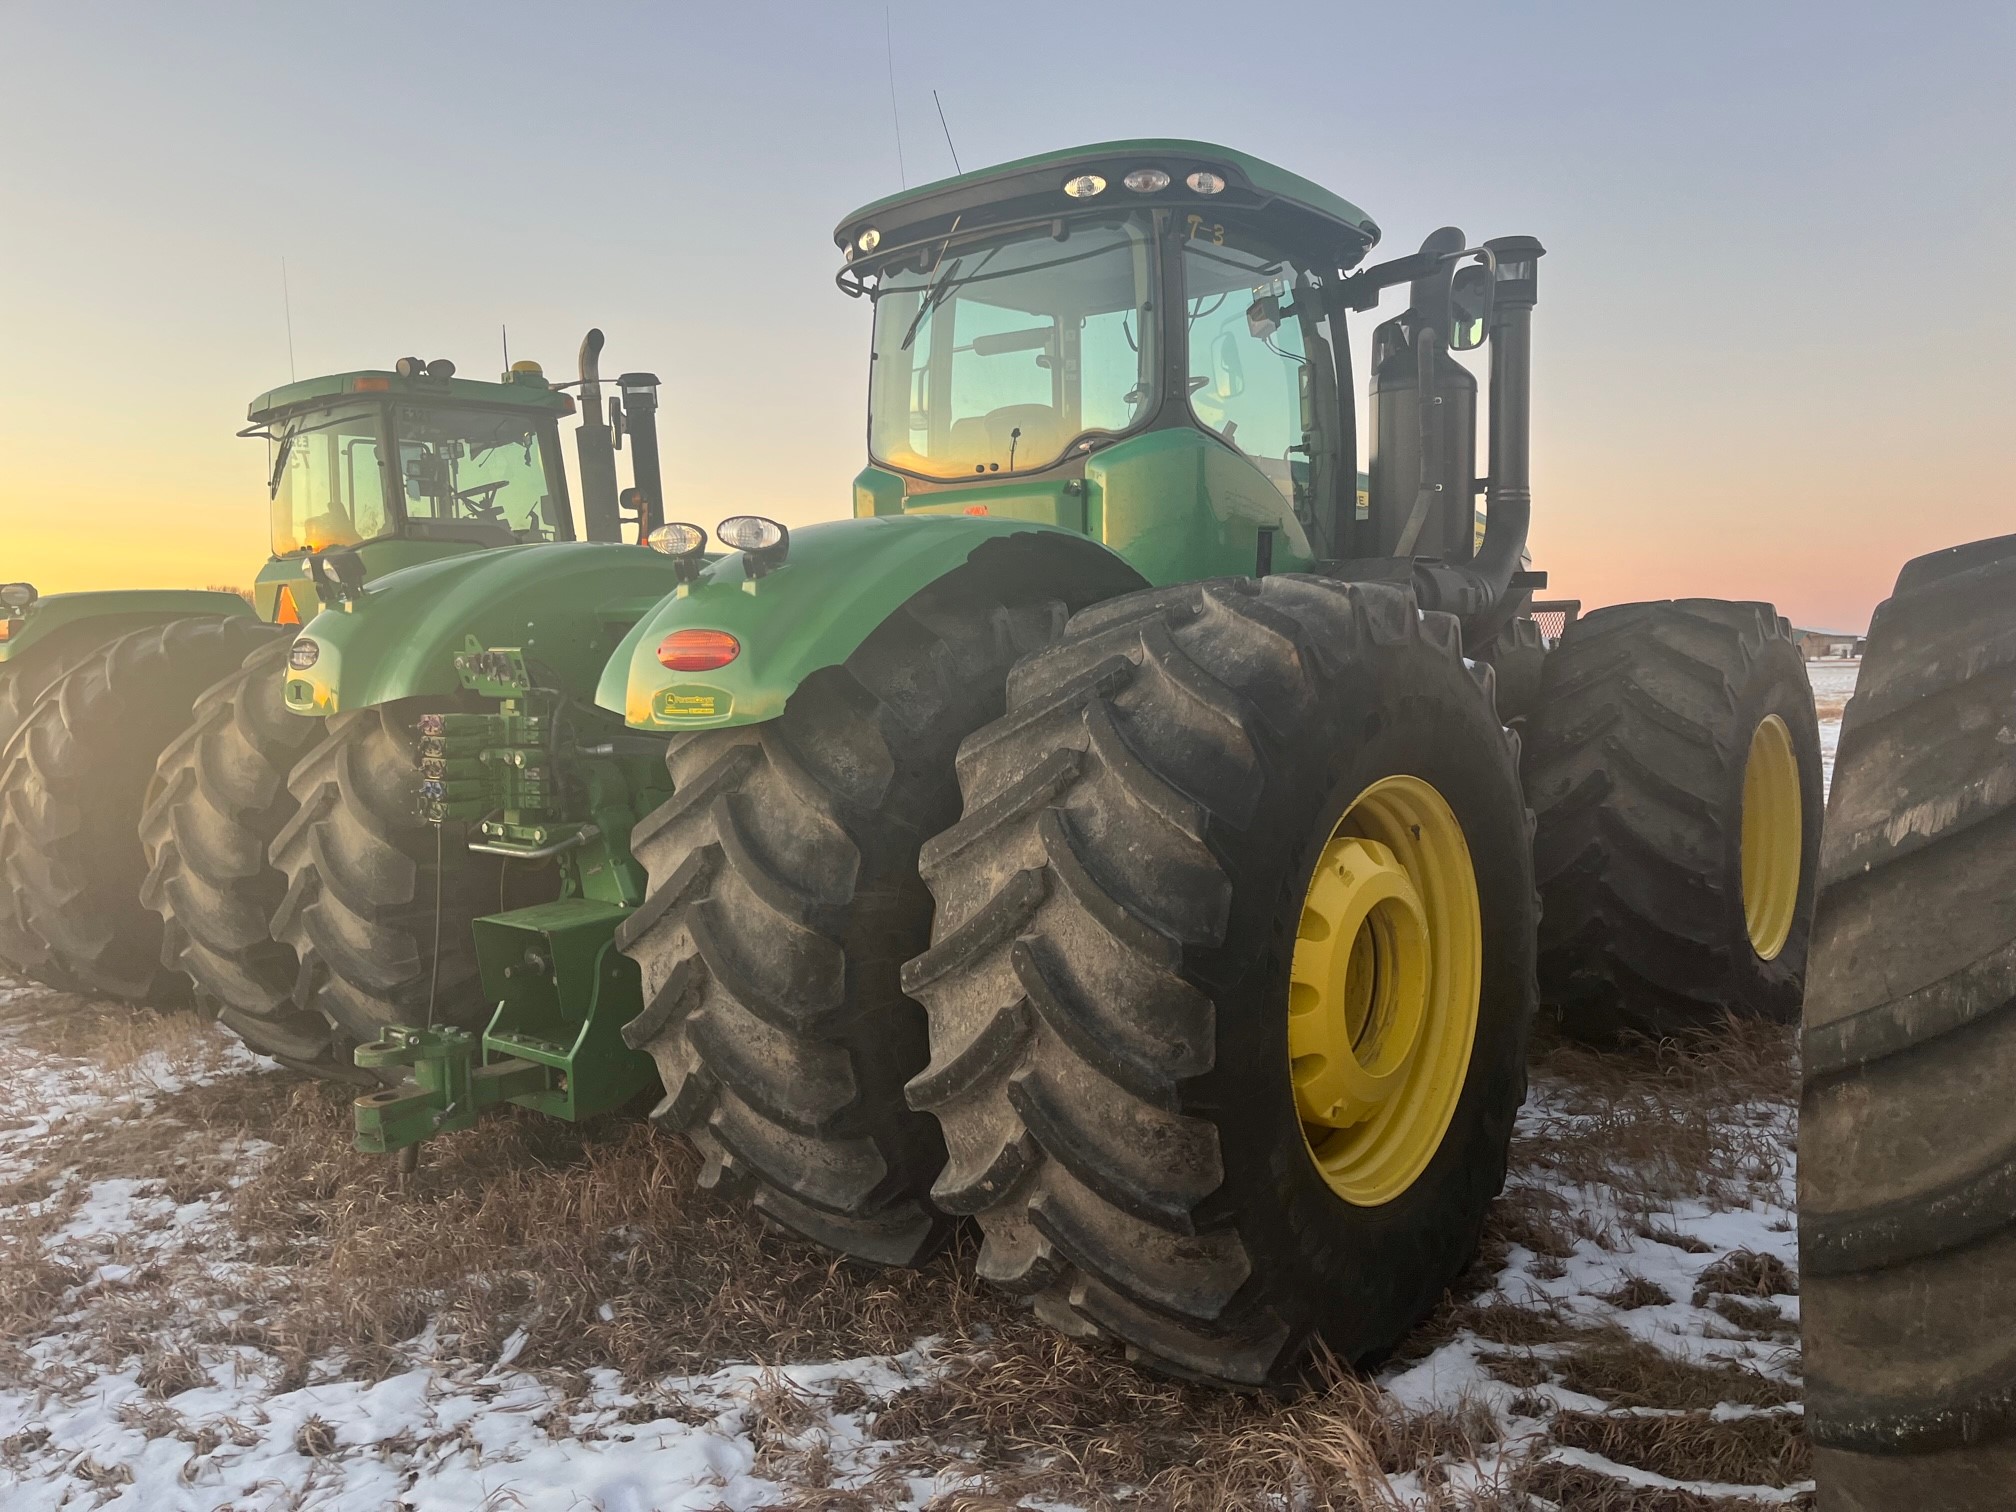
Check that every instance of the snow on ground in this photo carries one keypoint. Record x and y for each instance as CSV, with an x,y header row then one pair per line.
x,y
1633,1325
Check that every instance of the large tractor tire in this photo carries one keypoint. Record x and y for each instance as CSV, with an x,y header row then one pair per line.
x,y
1232,974
1518,656
1907,1137
784,899
1673,765
73,782
378,904
218,801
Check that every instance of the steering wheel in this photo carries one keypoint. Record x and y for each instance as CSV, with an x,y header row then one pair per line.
x,y
482,499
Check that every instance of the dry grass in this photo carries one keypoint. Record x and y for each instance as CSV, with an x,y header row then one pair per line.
x,y
593,1247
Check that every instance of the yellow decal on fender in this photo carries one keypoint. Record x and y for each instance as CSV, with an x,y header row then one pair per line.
x,y
691,701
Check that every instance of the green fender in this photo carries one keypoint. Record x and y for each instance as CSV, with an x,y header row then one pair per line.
x,y
841,580
78,618
565,603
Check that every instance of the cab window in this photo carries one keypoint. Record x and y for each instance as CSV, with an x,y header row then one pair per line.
x,y
1249,374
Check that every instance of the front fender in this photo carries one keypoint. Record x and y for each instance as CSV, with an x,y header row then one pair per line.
x,y
565,603
842,579
72,617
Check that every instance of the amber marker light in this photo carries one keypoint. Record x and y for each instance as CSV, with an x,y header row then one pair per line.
x,y
698,650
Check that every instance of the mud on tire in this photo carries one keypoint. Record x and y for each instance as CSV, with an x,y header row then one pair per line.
x,y
1108,980
218,799
73,781
1907,1146
1634,764
364,874
784,899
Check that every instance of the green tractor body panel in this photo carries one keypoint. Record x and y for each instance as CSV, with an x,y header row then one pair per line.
x,y
565,604
841,580
1172,505
379,558
69,618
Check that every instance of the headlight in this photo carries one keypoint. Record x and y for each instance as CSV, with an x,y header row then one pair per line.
x,y
868,240
1146,180
1085,186
303,654
678,539
751,533
1205,182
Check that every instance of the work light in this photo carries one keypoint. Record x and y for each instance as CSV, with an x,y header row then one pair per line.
x,y
1146,180
751,533
678,539
17,595
1085,186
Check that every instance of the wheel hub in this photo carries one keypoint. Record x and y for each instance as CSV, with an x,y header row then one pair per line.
x,y
1383,989
1773,832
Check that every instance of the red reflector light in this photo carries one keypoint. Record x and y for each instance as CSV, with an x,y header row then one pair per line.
x,y
6,629
286,611
371,386
698,650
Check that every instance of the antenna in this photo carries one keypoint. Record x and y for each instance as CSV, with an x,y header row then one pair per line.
x,y
287,304
889,43
504,332
947,130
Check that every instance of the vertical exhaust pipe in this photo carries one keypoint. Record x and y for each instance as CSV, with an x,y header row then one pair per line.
x,y
640,420
1509,499
595,448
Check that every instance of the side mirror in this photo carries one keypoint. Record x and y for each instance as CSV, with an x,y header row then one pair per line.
x,y
1470,294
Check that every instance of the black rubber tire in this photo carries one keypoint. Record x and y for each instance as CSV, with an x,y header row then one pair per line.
x,y
1518,655
363,877
1634,765
72,785
1907,1144
218,799
784,900
1107,982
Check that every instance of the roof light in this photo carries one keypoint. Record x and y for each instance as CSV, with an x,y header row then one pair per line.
x,y
1085,186
524,365
678,539
1204,181
441,367
751,533
868,240
698,650
1146,180
17,595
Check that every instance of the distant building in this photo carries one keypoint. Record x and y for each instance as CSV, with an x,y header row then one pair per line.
x,y
1820,645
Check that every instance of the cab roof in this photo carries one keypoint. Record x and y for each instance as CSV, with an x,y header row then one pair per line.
x,y
1034,186
527,391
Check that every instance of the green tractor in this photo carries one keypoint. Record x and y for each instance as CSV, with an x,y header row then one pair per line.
x,y
368,472
1116,833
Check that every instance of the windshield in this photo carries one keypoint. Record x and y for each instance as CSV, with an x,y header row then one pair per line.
x,y
1000,355
478,475
326,485
474,466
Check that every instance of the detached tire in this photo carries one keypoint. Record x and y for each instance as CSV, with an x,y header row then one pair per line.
x,y
364,875
73,783
784,899
218,800
1129,916
1673,765
1907,1145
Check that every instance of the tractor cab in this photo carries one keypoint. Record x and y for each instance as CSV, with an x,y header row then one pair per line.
x,y
1145,341
404,466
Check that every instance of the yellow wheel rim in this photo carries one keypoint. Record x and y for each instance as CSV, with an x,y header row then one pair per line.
x,y
1772,831
1383,990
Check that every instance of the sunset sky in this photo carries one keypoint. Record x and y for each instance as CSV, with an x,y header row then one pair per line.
x,y
1774,345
